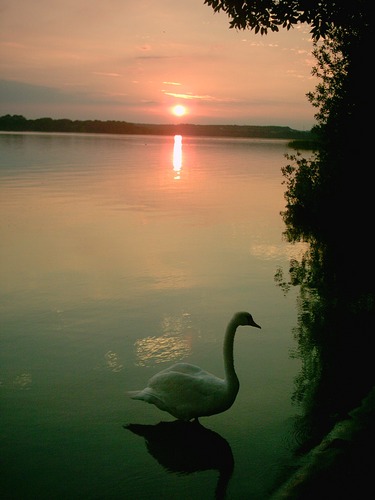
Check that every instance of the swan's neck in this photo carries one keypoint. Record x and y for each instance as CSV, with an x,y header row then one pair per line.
x,y
230,374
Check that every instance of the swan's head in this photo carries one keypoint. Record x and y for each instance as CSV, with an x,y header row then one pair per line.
x,y
244,319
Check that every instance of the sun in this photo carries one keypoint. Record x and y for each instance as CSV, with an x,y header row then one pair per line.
x,y
179,110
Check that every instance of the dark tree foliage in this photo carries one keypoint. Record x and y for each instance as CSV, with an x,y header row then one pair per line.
x,y
264,15
334,190
19,123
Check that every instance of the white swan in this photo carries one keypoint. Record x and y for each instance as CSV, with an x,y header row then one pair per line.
x,y
187,392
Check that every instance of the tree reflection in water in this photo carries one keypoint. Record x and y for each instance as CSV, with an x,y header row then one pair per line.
x,y
335,338
335,342
187,447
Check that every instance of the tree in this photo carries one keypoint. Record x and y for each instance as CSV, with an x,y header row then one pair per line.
x,y
321,15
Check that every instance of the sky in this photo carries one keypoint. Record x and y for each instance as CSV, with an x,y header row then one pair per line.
x,y
135,60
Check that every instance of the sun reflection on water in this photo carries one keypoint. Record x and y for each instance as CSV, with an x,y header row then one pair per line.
x,y
113,361
174,343
177,156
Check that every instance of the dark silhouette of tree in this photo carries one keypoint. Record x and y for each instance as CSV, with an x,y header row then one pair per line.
x,y
14,123
264,15
21,124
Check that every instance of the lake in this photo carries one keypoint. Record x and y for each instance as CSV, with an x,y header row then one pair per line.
x,y
121,255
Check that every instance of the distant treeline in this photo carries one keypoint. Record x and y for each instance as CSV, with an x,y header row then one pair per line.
x,y
18,123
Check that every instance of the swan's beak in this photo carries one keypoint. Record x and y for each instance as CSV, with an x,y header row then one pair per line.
x,y
257,326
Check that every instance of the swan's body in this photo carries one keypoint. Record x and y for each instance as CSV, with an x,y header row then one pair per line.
x,y
187,392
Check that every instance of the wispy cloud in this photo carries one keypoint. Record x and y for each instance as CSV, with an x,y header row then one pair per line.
x,y
172,83
155,57
12,91
200,97
103,73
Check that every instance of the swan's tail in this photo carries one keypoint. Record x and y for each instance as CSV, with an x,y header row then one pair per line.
x,y
134,394
143,395
148,396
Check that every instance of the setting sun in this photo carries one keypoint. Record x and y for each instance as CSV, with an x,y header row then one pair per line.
x,y
179,110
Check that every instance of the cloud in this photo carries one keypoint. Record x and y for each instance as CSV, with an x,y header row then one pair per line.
x,y
25,93
19,92
200,97
144,47
102,73
155,57
172,83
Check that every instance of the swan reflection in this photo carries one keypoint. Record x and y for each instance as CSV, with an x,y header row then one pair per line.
x,y
177,156
187,447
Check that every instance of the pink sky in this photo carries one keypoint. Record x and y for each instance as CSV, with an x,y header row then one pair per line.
x,y
132,61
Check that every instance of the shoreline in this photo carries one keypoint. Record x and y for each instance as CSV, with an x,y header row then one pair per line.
x,y
18,123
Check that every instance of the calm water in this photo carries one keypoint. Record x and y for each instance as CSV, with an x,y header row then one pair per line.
x,y
119,257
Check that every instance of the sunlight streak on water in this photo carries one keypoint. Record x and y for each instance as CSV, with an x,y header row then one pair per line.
x,y
177,156
283,250
113,362
174,343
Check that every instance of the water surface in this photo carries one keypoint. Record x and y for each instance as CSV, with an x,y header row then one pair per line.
x,y
120,255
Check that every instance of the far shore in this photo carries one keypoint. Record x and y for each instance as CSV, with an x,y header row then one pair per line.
x,y
18,123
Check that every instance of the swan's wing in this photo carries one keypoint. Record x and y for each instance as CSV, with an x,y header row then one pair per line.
x,y
186,391
186,395
173,378
193,381
185,368
185,380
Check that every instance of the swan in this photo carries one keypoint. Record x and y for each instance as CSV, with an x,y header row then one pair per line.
x,y
187,392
